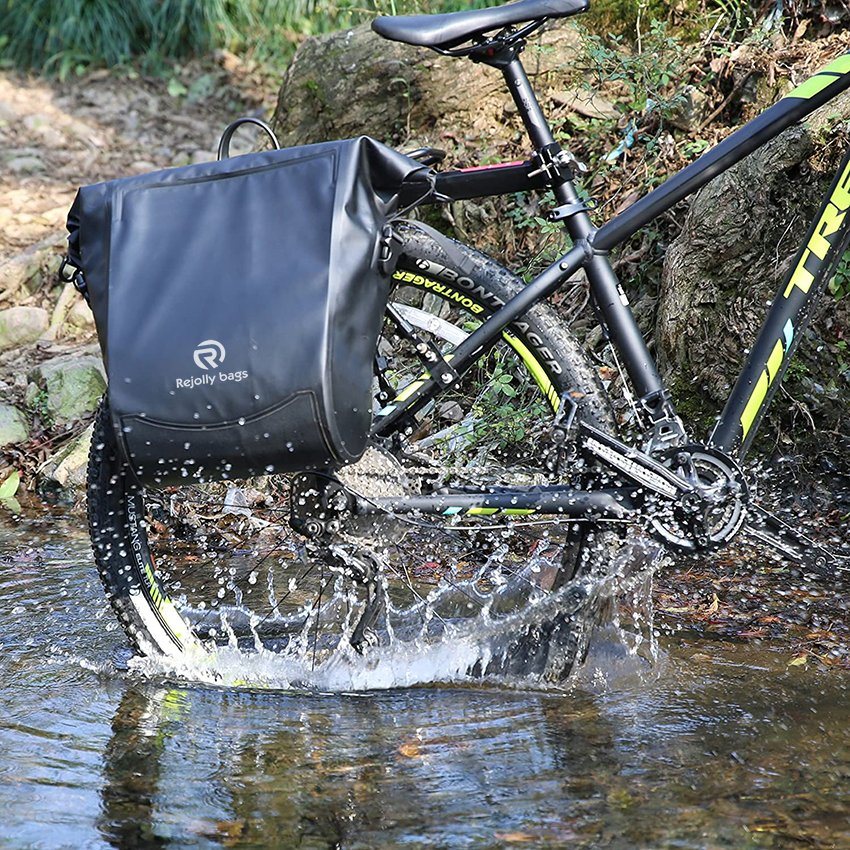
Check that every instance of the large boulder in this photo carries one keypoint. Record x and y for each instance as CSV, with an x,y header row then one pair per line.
x,y
67,387
22,326
353,82
739,238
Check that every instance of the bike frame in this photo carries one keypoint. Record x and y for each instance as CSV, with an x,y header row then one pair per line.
x,y
767,362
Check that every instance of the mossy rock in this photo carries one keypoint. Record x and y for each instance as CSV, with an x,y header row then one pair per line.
x,y
14,427
72,386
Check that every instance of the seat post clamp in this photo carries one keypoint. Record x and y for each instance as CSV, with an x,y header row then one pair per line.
x,y
553,161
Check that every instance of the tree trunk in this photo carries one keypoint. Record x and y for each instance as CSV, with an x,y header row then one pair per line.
x,y
740,236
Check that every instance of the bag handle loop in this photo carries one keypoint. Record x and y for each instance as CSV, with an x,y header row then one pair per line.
x,y
227,135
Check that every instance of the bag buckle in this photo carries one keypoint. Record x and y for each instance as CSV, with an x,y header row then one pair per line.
x,y
71,273
389,250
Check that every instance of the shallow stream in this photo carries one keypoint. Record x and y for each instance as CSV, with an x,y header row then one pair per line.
x,y
716,745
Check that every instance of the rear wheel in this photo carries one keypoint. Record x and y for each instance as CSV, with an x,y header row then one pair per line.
x,y
187,569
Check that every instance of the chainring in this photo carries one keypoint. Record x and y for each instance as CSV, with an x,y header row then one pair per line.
x,y
711,517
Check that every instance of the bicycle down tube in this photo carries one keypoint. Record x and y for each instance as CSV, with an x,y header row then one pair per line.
x,y
768,360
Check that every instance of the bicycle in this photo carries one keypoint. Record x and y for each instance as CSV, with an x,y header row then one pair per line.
x,y
495,469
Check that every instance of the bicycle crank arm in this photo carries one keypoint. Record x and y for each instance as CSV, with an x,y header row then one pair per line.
x,y
767,528
618,503
633,463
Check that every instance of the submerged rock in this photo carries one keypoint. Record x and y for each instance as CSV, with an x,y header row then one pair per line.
x,y
21,326
71,385
13,425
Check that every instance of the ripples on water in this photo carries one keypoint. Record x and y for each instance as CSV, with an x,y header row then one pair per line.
x,y
721,745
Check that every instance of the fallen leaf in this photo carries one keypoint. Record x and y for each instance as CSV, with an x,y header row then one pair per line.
x,y
714,607
410,750
10,486
11,504
799,661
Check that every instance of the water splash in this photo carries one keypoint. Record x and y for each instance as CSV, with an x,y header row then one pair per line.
x,y
482,648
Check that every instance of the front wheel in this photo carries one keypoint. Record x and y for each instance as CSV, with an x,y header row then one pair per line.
x,y
189,569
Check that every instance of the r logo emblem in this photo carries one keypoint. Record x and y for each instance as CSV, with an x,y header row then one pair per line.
x,y
209,354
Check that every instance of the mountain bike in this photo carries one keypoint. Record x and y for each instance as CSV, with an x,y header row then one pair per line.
x,y
496,479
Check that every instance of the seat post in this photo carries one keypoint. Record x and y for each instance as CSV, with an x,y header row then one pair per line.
x,y
509,63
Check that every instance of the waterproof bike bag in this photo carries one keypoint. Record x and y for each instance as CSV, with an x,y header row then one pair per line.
x,y
238,305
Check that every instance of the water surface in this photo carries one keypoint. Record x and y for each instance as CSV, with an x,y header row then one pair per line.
x,y
718,745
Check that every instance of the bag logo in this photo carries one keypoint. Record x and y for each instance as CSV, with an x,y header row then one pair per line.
x,y
209,354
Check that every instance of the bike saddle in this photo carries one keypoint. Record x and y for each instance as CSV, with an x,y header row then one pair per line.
x,y
454,28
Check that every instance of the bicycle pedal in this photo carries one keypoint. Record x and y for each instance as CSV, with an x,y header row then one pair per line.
x,y
769,529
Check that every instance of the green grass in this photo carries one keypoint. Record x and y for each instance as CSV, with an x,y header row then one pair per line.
x,y
58,36
64,36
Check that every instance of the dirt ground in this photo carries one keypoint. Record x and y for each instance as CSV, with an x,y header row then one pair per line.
x,y
56,136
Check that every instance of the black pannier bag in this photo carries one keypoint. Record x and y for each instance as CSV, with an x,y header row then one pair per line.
x,y
238,305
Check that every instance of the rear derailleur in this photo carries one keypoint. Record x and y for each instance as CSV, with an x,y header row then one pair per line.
x,y
320,505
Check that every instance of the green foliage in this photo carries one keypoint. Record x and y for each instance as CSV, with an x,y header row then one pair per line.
x,y
627,18
621,17
65,36
652,73
8,489
839,286
734,16
10,486
509,423
60,36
